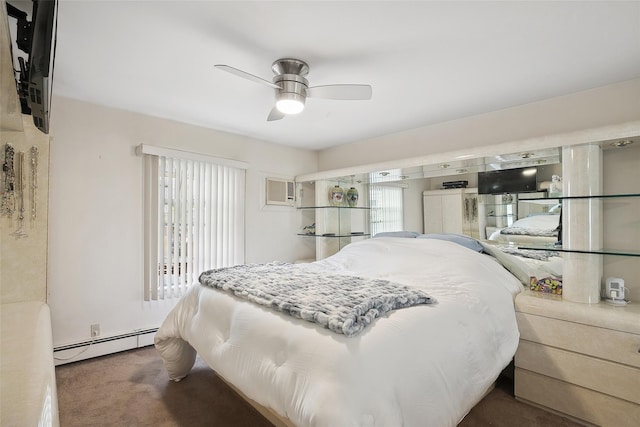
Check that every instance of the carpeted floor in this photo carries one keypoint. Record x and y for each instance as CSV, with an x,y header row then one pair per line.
x,y
133,389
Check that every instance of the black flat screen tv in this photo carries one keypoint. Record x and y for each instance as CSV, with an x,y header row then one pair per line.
x,y
37,39
521,180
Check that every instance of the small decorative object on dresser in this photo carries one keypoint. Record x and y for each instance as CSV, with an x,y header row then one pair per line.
x,y
352,197
336,195
555,188
310,229
549,284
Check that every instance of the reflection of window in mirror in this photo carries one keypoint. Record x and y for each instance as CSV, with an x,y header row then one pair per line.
x,y
386,208
510,214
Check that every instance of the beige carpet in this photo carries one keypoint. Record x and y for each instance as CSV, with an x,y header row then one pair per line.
x,y
132,389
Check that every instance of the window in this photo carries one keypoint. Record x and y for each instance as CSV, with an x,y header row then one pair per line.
x,y
386,208
194,218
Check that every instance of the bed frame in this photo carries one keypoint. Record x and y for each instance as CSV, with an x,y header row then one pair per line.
x,y
273,417
279,421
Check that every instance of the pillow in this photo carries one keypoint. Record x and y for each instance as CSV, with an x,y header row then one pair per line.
x,y
397,234
466,241
555,209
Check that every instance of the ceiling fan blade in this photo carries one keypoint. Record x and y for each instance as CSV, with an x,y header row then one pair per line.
x,y
246,75
275,114
344,92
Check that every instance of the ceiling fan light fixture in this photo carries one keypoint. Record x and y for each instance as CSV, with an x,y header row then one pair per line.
x,y
290,103
292,88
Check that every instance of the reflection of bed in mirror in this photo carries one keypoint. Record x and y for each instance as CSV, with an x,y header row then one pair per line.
x,y
544,267
539,263
542,228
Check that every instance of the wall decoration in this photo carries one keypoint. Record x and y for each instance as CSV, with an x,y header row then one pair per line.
x,y
310,229
352,197
555,189
13,187
8,204
34,184
19,190
336,195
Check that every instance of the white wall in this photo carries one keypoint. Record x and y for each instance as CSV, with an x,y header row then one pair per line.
x,y
95,222
594,108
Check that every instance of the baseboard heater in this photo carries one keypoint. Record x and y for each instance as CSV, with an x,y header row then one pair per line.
x,y
105,339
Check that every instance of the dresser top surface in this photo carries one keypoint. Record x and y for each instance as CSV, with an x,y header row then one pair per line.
x,y
621,318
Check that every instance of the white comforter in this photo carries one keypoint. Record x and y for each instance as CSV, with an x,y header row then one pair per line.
x,y
426,365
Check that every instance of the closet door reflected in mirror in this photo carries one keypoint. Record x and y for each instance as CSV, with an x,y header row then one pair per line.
x,y
451,211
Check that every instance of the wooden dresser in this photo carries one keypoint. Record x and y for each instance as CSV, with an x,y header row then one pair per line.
x,y
580,360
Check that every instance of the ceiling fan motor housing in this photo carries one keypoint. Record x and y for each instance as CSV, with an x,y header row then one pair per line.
x,y
292,87
290,66
289,74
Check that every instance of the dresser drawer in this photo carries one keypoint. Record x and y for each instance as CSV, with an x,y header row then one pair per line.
x,y
621,347
588,405
596,374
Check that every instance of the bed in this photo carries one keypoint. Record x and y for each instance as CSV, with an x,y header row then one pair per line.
x,y
427,364
533,229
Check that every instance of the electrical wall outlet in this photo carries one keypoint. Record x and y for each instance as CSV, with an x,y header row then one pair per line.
x,y
95,330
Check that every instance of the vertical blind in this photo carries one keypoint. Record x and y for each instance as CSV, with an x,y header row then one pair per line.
x,y
386,208
194,221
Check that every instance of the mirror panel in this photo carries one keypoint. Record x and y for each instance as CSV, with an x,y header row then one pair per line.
x,y
542,157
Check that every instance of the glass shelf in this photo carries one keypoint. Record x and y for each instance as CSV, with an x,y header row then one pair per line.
x,y
553,247
602,196
331,235
549,201
558,248
333,207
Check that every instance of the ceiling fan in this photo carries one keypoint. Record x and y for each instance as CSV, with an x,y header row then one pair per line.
x,y
292,88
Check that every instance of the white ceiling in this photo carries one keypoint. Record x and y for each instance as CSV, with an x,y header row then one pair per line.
x,y
428,62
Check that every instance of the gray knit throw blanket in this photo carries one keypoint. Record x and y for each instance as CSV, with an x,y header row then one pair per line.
x,y
342,304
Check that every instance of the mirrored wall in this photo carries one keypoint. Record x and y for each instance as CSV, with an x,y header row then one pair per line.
x,y
534,209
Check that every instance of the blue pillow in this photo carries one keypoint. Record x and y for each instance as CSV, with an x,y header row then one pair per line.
x,y
397,234
466,241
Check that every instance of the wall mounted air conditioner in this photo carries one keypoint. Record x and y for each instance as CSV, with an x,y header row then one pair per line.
x,y
280,192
